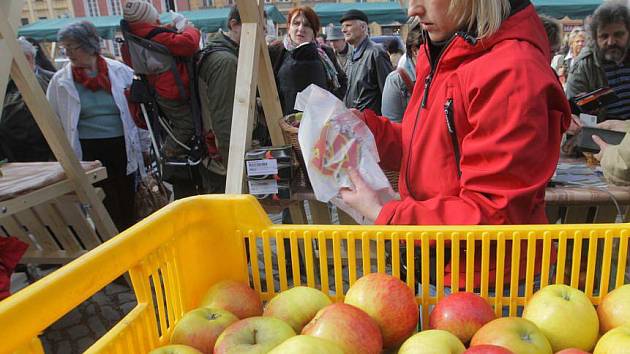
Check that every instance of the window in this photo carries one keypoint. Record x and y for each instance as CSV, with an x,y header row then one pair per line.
x,y
92,8
116,7
42,17
206,3
24,21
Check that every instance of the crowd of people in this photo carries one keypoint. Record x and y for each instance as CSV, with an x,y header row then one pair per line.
x,y
480,92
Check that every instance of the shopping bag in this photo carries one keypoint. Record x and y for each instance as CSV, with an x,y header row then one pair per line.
x,y
151,195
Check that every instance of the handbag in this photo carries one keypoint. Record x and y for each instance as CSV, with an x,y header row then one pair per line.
x,y
151,195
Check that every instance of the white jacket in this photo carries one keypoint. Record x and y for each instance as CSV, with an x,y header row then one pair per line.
x,y
64,98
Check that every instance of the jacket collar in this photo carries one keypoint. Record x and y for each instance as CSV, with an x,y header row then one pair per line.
x,y
357,53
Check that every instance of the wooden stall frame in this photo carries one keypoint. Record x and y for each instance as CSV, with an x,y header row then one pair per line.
x,y
14,63
254,71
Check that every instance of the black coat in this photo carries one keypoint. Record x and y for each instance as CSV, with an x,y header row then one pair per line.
x,y
296,70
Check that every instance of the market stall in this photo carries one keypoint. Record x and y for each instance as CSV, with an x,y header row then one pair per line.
x,y
52,207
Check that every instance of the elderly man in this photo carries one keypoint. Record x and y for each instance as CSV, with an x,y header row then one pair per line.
x,y
605,62
20,137
368,66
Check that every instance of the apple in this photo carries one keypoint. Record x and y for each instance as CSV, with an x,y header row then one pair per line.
x,y
487,349
253,335
297,306
175,349
432,341
201,327
614,309
565,316
461,314
572,351
390,302
347,326
234,296
514,333
615,341
307,345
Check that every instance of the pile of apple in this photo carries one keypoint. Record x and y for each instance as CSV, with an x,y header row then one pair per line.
x,y
380,314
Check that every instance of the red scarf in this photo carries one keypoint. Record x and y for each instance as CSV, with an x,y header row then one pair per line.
x,y
98,82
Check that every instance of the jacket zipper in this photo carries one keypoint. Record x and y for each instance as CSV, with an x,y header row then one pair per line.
x,y
450,125
427,85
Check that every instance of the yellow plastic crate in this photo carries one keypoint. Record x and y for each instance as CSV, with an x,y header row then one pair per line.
x,y
175,255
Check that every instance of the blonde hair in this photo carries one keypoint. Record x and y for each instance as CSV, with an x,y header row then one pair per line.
x,y
481,16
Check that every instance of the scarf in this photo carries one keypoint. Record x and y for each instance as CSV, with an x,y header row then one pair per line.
x,y
98,82
329,67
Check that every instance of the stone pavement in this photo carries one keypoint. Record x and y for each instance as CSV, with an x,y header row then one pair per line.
x,y
80,328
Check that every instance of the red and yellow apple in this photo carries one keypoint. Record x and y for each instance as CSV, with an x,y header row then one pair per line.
x,y
201,327
347,326
432,341
253,335
615,341
461,314
234,296
565,316
614,309
297,306
487,349
390,302
175,349
513,333
307,345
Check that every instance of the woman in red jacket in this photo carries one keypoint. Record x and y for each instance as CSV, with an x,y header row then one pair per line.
x,y
481,135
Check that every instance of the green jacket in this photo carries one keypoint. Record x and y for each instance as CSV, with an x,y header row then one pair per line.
x,y
217,82
587,75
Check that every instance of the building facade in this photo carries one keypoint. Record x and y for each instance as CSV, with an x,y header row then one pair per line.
x,y
35,10
114,7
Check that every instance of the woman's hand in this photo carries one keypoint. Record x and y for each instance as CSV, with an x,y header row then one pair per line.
x,y
616,125
362,198
575,125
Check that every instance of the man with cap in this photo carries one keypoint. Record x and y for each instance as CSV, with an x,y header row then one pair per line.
x,y
335,39
174,103
368,65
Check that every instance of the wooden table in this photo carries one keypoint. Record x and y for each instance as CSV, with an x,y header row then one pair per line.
x,y
38,207
567,204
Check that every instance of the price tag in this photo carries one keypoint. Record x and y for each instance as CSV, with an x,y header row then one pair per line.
x,y
263,186
262,167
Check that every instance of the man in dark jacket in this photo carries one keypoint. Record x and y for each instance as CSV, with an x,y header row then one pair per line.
x,y
606,61
368,66
216,65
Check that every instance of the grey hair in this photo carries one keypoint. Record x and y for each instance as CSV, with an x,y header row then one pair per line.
x,y
608,13
27,47
84,34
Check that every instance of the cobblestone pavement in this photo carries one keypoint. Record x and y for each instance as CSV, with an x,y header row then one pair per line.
x,y
80,328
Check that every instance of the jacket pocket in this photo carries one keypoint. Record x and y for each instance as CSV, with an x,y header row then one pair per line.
x,y
450,125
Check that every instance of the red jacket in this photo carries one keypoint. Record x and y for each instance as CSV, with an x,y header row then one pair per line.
x,y
509,112
184,44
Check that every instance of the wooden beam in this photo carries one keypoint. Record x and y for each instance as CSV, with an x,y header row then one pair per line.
x,y
254,71
244,106
14,8
50,126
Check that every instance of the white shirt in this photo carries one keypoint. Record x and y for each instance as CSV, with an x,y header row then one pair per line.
x,y
64,99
